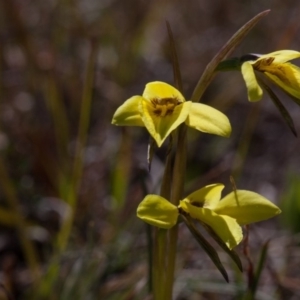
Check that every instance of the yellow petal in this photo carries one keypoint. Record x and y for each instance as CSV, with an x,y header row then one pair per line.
x,y
207,197
160,127
248,207
225,227
157,211
254,91
128,113
281,56
207,119
158,89
286,76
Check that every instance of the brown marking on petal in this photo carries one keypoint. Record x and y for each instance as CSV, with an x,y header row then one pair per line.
x,y
197,204
164,106
277,69
157,112
281,72
262,64
182,212
269,60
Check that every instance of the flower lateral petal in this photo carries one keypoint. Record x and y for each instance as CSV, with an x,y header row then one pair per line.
x,y
225,227
254,90
247,207
157,211
128,113
208,119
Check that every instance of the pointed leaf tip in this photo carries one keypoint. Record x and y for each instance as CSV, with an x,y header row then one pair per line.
x,y
205,245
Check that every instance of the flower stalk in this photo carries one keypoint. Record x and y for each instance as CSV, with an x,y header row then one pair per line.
x,y
177,192
160,235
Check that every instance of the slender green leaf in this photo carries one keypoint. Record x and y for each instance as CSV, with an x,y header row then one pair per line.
x,y
231,253
251,291
260,266
209,72
175,62
212,253
283,111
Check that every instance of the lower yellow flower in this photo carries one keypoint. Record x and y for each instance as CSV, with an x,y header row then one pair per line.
x,y
224,216
162,108
276,67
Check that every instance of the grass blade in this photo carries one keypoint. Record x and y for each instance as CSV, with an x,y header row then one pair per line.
x,y
250,294
260,266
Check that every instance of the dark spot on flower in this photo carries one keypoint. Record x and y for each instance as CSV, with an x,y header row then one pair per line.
x,y
197,204
164,106
182,212
157,111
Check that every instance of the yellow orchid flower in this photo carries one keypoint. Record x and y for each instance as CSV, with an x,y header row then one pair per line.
x,y
276,67
224,216
162,108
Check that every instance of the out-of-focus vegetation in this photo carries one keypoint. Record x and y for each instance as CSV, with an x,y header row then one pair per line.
x,y
70,182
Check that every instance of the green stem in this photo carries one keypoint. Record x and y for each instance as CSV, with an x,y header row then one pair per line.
x,y
150,258
161,252
177,193
160,237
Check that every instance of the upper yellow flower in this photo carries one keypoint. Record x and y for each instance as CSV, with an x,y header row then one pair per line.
x,y
276,67
224,216
162,108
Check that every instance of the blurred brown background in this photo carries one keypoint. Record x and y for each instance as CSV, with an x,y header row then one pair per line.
x,y
69,188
